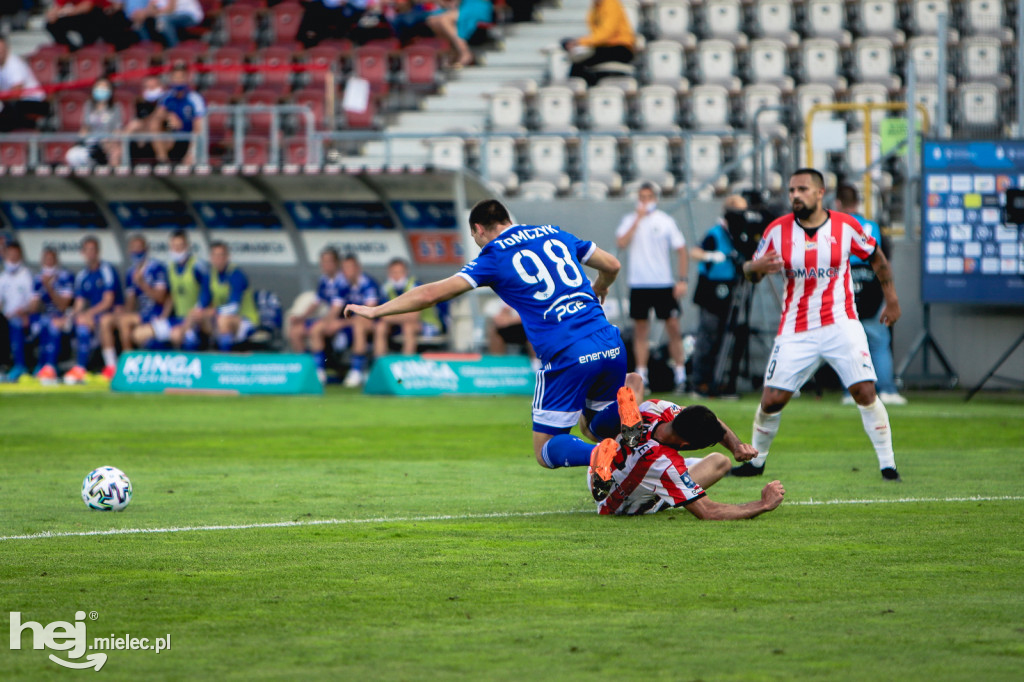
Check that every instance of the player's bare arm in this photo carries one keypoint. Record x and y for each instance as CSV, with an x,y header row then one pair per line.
x,y
683,273
883,271
769,263
607,267
420,298
624,240
709,510
743,452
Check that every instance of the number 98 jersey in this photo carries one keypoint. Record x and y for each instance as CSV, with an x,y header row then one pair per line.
x,y
537,270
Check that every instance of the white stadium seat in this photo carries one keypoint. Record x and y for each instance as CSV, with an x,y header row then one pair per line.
x,y
673,22
652,161
606,109
869,93
873,62
710,108
659,108
556,109
827,19
600,155
446,152
666,64
769,63
507,110
881,18
498,155
724,19
821,62
980,110
774,19
986,18
703,156
983,61
814,93
548,160
756,97
716,64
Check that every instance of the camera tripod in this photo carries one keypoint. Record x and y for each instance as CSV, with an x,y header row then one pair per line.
x,y
733,360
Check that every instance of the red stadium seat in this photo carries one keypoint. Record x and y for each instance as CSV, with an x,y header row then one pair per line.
x,y
126,99
45,64
132,65
362,120
296,150
260,123
255,150
284,21
329,57
419,65
70,106
314,99
189,52
54,152
277,75
227,64
240,25
372,64
218,123
13,154
88,63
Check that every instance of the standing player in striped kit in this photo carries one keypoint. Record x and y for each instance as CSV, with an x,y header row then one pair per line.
x,y
812,248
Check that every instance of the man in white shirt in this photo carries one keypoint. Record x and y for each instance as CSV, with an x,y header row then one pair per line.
x,y
16,288
17,77
652,235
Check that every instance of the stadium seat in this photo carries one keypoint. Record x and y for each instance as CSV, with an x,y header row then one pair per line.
x,y
710,108
371,63
326,56
769,63
827,19
743,146
556,109
982,60
54,152
284,21
606,109
314,99
865,93
261,123
132,65
88,63
723,19
558,65
363,120
924,18
538,190
255,150
447,152
296,151
821,63
549,160
71,105
124,97
239,26
659,108
774,19
218,123
880,18
873,62
592,189
13,154
652,162
276,74
716,64
986,18
927,94
506,110
600,155
759,96
810,94
704,164
673,22
227,64
665,64
45,64
420,65
498,157
187,52
856,158
924,52
979,109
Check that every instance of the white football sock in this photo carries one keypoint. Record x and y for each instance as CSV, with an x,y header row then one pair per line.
x,y
680,372
876,425
109,357
765,427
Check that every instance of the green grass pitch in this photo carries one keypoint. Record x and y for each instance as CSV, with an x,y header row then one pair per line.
x,y
452,555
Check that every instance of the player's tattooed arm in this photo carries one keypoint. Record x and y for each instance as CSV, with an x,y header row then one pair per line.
x,y
883,271
740,450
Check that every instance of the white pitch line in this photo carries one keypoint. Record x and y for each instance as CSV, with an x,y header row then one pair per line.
x,y
454,517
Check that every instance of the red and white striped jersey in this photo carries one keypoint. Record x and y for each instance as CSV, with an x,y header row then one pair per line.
x,y
651,477
816,268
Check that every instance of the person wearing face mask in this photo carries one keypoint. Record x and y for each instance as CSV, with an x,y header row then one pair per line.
x,y
146,296
652,236
426,321
180,110
53,292
16,305
98,295
102,120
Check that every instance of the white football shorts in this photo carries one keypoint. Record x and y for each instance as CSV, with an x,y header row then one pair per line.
x,y
797,356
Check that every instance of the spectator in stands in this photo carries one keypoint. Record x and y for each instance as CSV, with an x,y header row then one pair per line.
x,y
323,19
101,122
611,39
231,315
165,17
146,294
504,327
652,236
53,293
426,322
23,102
868,296
98,294
16,289
181,110
718,276
458,23
145,104
360,289
86,18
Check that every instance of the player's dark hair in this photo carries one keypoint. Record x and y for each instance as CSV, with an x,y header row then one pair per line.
x,y
138,238
219,244
50,249
698,426
14,244
398,260
819,179
650,186
351,256
847,195
180,234
332,252
87,239
489,212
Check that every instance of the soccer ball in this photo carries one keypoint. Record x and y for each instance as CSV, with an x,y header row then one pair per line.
x,y
106,489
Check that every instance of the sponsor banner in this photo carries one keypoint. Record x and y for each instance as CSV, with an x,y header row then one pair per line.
x,y
440,373
257,247
437,248
372,247
68,245
152,215
340,215
224,373
426,215
48,215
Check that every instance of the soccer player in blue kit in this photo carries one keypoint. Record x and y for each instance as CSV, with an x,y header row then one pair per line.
x,y
536,269
98,293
